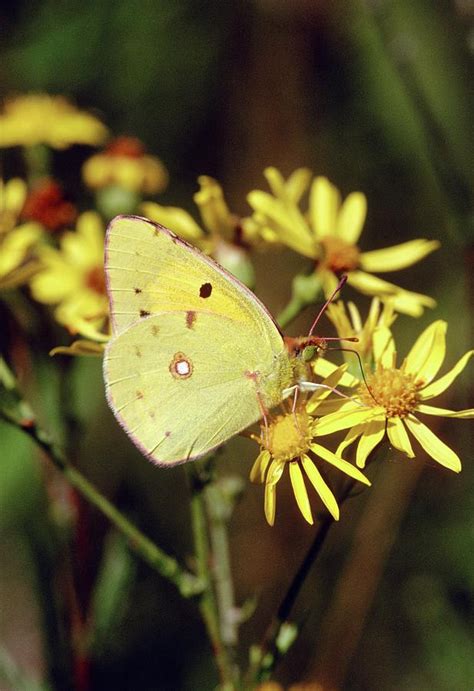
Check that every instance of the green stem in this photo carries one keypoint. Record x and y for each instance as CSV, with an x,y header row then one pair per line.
x,y
266,656
218,512
187,584
207,602
38,161
306,290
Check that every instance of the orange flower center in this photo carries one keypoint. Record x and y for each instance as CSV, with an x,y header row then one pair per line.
x,y
47,205
339,255
393,389
95,280
288,435
130,147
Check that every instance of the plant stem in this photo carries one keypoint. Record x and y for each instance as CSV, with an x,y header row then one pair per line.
x,y
186,582
218,512
268,653
306,290
207,603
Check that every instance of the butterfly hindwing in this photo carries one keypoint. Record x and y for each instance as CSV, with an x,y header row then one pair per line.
x,y
183,382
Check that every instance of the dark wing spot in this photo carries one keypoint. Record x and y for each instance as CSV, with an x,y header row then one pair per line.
x,y
190,319
154,330
167,434
144,313
205,290
137,291
139,394
152,414
137,350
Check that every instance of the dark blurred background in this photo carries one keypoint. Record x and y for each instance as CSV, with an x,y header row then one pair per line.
x,y
376,95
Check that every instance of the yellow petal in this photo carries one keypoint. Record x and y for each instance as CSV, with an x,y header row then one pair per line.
x,y
257,473
444,412
327,386
339,463
286,220
404,301
334,405
371,437
433,446
437,387
428,352
299,489
324,368
384,347
270,503
275,472
351,218
324,202
174,218
215,213
91,229
13,196
413,304
370,285
14,247
350,438
398,256
337,421
293,188
52,286
319,484
80,347
398,436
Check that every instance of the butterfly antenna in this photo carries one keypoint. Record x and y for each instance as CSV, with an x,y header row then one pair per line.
x,y
350,350
339,286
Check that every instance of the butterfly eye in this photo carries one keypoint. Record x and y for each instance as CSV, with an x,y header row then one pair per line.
x,y
309,353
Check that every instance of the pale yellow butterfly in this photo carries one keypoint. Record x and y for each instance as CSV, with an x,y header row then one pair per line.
x,y
194,356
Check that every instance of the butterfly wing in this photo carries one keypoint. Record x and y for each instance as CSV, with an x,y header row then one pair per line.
x,y
180,386
149,269
194,353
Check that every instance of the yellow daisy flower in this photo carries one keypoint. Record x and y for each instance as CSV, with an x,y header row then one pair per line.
x,y
329,233
392,398
34,119
16,242
222,234
73,279
290,441
217,221
125,163
348,323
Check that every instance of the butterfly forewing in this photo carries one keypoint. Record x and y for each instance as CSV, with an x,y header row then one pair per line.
x,y
149,270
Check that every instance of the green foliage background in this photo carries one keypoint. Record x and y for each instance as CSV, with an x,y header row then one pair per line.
x,y
375,95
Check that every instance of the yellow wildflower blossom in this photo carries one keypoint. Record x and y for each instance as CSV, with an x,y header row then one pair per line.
x,y
290,441
73,279
125,163
329,234
217,221
34,119
16,241
391,399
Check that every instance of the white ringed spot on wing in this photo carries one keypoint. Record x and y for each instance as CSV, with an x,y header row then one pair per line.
x,y
181,366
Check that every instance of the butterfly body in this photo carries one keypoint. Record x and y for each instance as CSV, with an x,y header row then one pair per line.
x,y
194,356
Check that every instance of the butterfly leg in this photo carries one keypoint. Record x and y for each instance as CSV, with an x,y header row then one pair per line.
x,y
264,413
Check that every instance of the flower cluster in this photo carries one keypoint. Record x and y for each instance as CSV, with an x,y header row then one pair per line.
x,y
47,245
